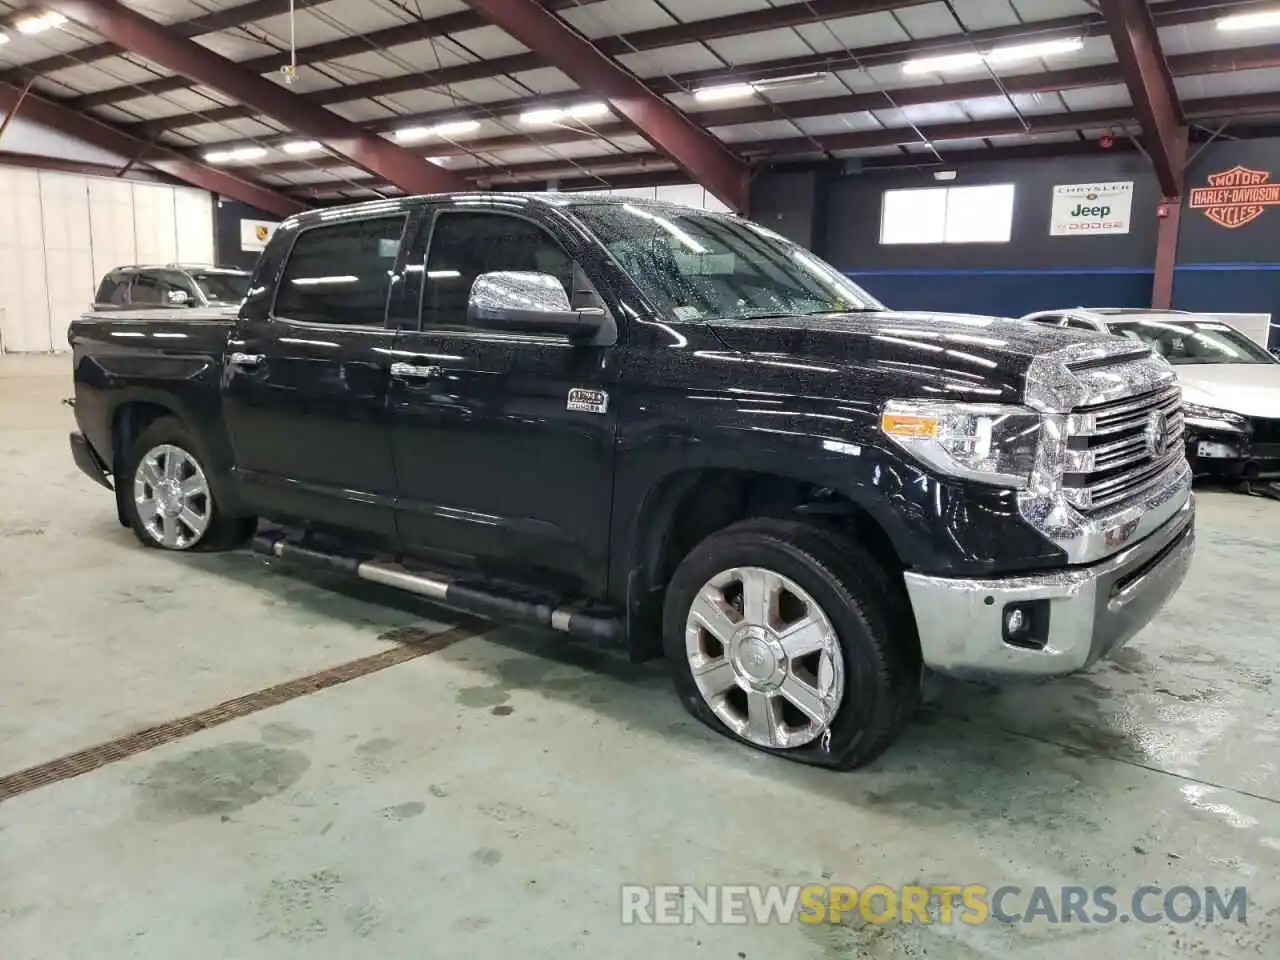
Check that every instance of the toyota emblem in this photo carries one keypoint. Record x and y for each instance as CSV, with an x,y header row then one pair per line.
x,y
1157,434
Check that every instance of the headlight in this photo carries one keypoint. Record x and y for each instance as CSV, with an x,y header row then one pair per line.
x,y
1210,418
978,441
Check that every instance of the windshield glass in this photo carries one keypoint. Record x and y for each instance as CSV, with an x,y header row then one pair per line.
x,y
223,286
1193,341
702,266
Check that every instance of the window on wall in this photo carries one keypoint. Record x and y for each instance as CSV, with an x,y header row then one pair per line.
x,y
341,273
948,215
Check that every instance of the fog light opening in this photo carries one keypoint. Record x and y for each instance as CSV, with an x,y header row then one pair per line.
x,y
1026,624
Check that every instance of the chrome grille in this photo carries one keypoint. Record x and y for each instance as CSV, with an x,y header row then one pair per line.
x,y
1109,459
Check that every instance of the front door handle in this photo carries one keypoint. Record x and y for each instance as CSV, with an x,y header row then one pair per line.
x,y
247,361
413,371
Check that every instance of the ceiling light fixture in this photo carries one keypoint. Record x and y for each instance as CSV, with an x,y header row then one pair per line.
x,y
725,91
4,38
450,129
39,23
999,55
790,80
240,153
1028,51
734,91
301,146
1250,21
548,115
454,128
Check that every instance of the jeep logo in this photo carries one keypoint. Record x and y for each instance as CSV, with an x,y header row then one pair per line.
x,y
1095,211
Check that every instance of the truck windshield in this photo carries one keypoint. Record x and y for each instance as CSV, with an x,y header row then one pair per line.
x,y
230,287
1189,342
704,266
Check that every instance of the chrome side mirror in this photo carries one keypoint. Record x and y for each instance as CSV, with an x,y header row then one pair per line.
x,y
179,298
531,302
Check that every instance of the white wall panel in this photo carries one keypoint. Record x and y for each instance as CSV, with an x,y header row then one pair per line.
x,y
68,252
60,232
111,225
153,223
193,210
22,266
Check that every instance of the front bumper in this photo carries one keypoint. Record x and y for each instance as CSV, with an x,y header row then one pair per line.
x,y
1223,455
88,461
1088,611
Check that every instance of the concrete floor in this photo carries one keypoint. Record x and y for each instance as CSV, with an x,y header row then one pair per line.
x,y
488,800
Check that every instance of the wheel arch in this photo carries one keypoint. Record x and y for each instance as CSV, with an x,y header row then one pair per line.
x,y
689,505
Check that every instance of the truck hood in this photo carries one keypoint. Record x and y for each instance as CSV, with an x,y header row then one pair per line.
x,y
956,356
1249,389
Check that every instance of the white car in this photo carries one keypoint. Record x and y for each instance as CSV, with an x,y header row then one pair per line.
x,y
1230,384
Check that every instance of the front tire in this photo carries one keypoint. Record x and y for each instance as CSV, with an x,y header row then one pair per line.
x,y
167,496
787,637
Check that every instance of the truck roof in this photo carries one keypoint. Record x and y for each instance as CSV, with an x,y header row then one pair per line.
x,y
549,198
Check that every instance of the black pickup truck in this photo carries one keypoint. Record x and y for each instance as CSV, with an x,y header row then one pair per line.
x,y
665,428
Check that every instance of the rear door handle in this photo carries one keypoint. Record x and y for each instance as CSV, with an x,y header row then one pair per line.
x,y
247,361
413,371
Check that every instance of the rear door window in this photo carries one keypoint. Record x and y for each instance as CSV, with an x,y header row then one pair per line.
x,y
146,291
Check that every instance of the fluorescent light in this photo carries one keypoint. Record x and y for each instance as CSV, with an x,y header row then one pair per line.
x,y
534,118
40,22
545,116
954,61
443,274
587,111
454,128
1250,21
790,80
301,146
450,129
240,153
1009,54
1027,51
726,91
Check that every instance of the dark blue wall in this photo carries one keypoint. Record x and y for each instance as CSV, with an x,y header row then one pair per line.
x,y
1009,293
1234,270
837,214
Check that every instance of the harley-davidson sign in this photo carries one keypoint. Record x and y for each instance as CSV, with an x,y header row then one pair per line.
x,y
1235,197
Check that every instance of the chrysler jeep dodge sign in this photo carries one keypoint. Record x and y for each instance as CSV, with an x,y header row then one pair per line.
x,y
1089,209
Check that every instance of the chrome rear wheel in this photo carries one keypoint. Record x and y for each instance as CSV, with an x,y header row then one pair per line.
x,y
172,497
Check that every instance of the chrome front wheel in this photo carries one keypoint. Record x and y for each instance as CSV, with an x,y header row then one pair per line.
x,y
765,657
172,497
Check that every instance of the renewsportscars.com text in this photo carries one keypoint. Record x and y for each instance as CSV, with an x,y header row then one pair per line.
x,y
937,903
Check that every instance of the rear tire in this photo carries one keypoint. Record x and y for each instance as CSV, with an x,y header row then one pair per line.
x,y
167,496
824,670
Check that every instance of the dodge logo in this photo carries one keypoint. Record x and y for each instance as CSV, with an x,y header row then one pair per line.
x,y
1157,435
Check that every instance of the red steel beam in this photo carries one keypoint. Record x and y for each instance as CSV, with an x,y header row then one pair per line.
x,y
118,23
708,29
106,137
1266,56
1150,82
316,53
1179,11
33,161
198,26
707,160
